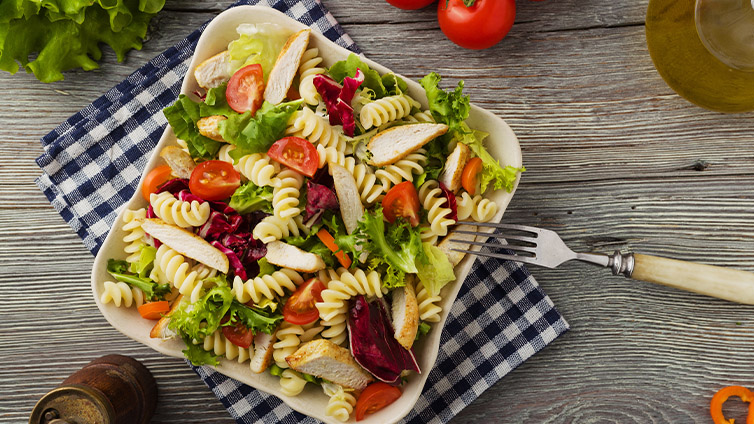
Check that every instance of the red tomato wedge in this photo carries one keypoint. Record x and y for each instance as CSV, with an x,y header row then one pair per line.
x,y
296,153
154,310
238,334
301,307
329,241
470,175
245,91
214,180
375,397
402,200
154,179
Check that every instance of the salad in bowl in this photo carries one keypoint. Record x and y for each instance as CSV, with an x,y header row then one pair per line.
x,y
292,229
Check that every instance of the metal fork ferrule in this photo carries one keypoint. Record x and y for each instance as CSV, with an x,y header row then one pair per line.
x,y
621,264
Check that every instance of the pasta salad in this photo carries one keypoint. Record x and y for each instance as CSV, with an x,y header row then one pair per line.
x,y
301,219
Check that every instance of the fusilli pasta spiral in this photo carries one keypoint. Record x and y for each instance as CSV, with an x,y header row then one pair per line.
x,y
367,182
259,169
134,237
317,129
386,109
428,309
268,286
178,272
272,228
224,155
286,193
309,68
420,117
403,170
121,293
291,383
220,346
289,339
341,403
433,201
178,212
477,207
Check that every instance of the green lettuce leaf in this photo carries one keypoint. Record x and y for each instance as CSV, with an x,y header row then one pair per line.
x,y
423,330
182,117
265,268
250,197
255,319
257,44
393,249
381,86
147,254
120,271
197,355
492,172
435,270
452,109
215,103
65,35
256,134
202,318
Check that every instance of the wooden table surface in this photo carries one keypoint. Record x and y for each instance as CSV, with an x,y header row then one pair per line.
x,y
615,160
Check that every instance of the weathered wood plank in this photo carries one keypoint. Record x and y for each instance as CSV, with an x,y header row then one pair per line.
x,y
615,159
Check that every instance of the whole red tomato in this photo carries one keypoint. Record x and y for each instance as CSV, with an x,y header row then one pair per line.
x,y
410,4
478,26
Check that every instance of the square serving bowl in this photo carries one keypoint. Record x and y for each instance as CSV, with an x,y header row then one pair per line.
x,y
502,144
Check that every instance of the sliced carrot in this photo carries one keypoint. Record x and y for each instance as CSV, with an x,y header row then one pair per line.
x,y
329,241
716,405
154,310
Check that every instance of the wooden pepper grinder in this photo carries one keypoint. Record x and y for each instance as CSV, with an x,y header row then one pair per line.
x,y
113,389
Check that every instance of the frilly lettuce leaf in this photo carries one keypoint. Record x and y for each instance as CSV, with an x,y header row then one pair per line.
x,y
256,134
65,34
257,44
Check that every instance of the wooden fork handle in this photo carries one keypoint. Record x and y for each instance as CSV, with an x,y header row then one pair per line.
x,y
723,283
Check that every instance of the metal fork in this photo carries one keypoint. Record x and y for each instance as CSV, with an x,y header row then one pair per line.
x,y
545,248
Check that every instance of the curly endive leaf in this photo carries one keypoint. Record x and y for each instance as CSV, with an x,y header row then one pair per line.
x,y
65,34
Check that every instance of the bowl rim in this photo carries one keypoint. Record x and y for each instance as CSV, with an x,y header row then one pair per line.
x,y
206,47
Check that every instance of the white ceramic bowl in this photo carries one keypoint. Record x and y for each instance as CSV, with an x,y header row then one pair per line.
x,y
502,144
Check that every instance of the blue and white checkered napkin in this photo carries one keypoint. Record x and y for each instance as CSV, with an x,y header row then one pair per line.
x,y
92,163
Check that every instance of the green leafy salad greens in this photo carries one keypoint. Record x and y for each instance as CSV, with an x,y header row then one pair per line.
x,y
66,34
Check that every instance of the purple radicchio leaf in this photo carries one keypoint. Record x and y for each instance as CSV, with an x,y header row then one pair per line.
x,y
373,343
235,262
318,199
174,186
338,98
450,200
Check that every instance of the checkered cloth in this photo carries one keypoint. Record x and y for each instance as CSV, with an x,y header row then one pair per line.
x,y
92,163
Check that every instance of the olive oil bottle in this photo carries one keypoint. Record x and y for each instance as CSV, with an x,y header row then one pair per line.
x,y
704,50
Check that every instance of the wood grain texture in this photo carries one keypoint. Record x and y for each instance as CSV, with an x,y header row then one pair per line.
x,y
615,160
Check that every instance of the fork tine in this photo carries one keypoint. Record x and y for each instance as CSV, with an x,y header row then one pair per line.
x,y
501,246
517,227
500,236
515,258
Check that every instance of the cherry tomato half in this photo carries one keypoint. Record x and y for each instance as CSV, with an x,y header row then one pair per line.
x,y
214,180
479,26
375,397
402,200
154,179
245,89
296,153
471,174
410,4
301,307
238,334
